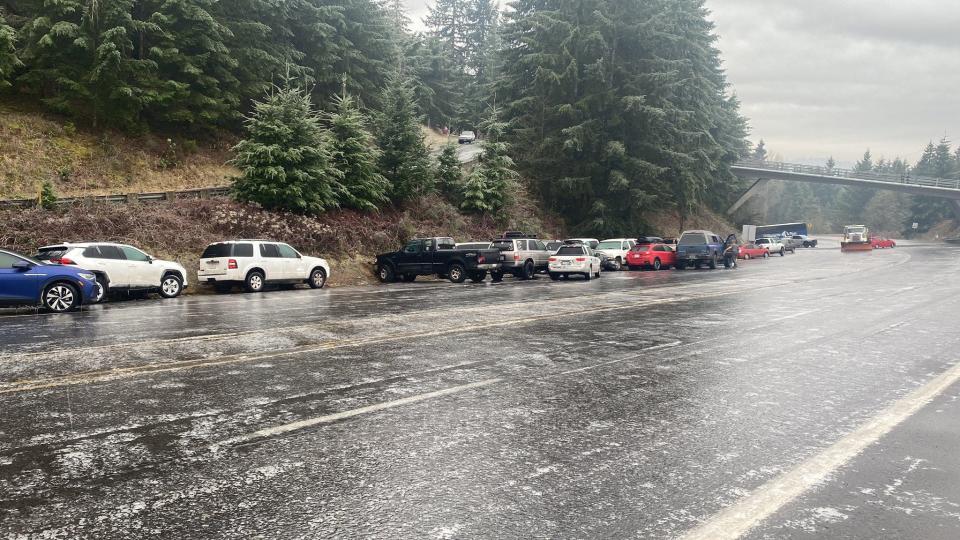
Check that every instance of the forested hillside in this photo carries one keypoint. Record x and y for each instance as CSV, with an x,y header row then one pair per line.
x,y
604,110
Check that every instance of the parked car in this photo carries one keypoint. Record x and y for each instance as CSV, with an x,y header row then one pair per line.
x,y
878,242
254,264
773,246
473,245
522,257
791,243
591,243
753,251
655,256
25,281
705,248
805,241
466,137
574,259
616,249
119,267
437,256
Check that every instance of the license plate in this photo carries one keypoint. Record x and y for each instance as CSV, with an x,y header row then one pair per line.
x,y
565,263
213,263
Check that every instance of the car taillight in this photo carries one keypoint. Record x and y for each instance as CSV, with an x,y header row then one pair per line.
x,y
64,260
481,259
516,256
552,259
581,259
232,264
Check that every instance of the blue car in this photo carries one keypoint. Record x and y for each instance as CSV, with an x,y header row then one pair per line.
x,y
29,282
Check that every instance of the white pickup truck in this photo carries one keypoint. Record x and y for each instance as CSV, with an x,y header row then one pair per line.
x,y
774,246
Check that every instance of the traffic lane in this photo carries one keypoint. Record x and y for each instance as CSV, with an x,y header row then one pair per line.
x,y
273,327
906,485
557,395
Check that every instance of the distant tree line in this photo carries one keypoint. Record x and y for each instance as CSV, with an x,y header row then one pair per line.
x,y
609,109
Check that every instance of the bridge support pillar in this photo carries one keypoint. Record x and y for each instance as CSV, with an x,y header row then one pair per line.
x,y
748,195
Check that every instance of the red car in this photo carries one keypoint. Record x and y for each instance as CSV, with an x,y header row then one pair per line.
x,y
654,256
753,251
882,243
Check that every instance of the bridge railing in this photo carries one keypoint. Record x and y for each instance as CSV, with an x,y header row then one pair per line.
x,y
906,178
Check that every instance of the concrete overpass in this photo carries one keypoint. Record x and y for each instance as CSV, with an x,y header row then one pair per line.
x,y
764,171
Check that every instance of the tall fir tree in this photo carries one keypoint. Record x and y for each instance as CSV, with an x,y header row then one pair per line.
x,y
495,163
449,171
8,53
476,197
284,160
760,152
355,154
936,161
405,160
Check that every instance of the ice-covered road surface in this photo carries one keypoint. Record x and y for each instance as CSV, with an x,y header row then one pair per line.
x,y
806,396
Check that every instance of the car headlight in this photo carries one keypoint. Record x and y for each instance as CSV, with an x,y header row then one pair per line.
x,y
88,277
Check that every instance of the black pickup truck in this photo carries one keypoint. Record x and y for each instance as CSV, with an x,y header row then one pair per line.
x,y
439,257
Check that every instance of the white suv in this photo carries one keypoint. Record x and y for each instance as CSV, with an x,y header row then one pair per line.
x,y
255,263
616,249
119,267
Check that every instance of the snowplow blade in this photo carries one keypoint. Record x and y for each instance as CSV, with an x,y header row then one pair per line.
x,y
855,246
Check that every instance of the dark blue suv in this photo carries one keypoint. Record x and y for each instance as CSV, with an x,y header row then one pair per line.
x,y
29,282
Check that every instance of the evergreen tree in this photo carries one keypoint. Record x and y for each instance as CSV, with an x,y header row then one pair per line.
x,y
8,53
405,160
284,161
831,164
760,152
433,78
355,154
495,163
477,194
449,170
936,161
447,21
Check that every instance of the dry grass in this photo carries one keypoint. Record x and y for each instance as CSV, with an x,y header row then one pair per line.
x,y
435,140
36,147
670,225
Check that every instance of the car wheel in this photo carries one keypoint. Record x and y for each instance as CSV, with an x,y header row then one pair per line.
x,y
318,278
497,277
588,276
713,262
616,264
457,273
528,271
657,265
171,286
783,252
385,273
61,297
554,276
254,282
478,277
100,293
746,256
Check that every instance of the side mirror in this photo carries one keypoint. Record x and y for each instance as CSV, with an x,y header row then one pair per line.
x,y
22,266
149,259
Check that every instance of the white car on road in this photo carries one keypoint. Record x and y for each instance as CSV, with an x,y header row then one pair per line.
x,y
574,259
467,137
616,249
119,267
257,263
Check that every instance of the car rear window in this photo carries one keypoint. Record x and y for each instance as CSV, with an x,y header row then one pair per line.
x,y
693,239
214,251
51,253
570,250
503,245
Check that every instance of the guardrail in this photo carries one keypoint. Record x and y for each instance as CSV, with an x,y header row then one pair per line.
x,y
906,178
157,196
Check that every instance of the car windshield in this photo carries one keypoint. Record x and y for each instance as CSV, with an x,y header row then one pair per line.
x,y
641,249
51,253
609,245
214,251
570,250
503,245
553,246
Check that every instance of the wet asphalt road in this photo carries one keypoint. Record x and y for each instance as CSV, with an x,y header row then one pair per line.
x,y
638,405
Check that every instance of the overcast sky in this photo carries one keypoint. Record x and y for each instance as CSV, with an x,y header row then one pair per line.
x,y
825,77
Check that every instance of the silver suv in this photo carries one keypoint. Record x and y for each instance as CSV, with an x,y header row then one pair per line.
x,y
522,257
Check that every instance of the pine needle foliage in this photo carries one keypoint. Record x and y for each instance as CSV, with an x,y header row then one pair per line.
x,y
285,161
